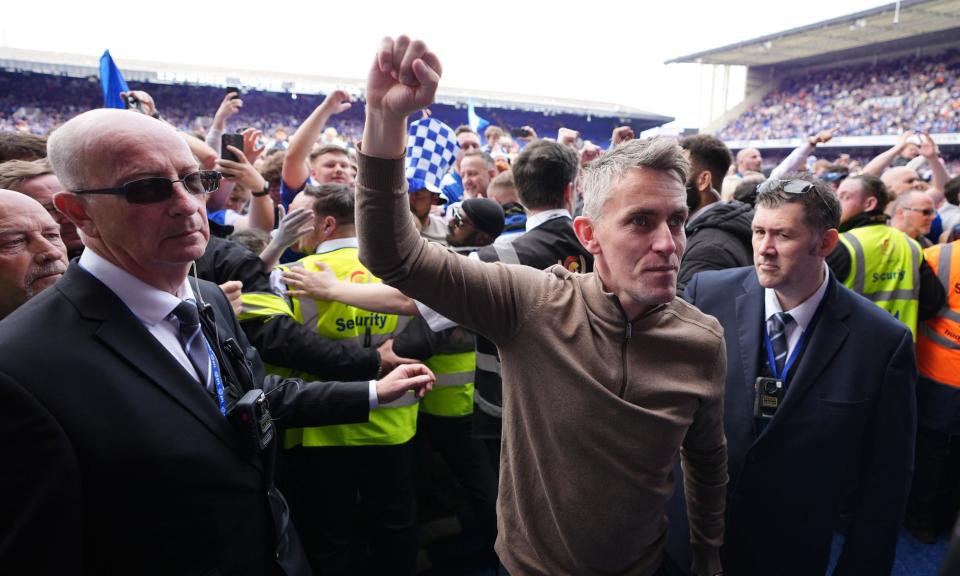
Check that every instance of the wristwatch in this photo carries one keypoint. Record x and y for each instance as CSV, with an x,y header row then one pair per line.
x,y
264,192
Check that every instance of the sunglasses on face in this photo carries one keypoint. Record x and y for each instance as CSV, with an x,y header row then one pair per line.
x,y
157,189
924,211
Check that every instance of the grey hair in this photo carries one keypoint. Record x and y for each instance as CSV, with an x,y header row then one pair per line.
x,y
659,153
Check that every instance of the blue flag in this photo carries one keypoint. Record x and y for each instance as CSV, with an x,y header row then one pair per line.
x,y
112,82
475,122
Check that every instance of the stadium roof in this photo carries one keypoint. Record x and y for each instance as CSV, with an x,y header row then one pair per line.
x,y
81,65
884,29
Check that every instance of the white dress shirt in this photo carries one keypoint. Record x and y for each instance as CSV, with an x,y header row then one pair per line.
x,y
151,306
802,314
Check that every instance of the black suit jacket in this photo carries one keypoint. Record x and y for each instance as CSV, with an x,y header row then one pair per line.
x,y
848,418
118,461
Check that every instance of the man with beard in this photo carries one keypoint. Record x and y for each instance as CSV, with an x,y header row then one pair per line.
x,y
475,222
32,255
718,233
37,180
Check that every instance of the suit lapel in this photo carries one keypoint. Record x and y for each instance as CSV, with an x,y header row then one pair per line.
x,y
824,339
749,310
122,333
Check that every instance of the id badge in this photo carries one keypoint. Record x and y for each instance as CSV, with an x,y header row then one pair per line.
x,y
767,397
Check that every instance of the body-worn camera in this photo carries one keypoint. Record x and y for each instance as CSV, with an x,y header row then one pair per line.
x,y
767,397
251,419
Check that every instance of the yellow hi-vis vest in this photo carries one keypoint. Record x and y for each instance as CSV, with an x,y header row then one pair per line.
x,y
938,343
885,269
266,305
452,393
389,424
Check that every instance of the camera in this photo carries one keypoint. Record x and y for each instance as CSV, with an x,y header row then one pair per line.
x,y
767,397
251,419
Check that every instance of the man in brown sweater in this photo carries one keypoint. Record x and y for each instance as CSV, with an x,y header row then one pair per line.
x,y
607,376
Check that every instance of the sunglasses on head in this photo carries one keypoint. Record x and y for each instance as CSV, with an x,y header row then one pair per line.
x,y
457,218
157,189
790,187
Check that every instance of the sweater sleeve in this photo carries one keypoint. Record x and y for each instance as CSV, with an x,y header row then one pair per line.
x,y
490,299
704,454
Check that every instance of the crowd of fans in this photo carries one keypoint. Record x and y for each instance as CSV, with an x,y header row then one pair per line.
x,y
37,103
866,100
288,189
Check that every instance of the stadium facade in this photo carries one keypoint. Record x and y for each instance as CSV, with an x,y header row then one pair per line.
x,y
890,34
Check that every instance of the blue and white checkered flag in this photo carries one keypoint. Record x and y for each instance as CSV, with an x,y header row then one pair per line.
x,y
431,149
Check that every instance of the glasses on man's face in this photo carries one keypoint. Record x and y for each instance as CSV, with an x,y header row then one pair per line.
x,y
790,187
157,189
924,211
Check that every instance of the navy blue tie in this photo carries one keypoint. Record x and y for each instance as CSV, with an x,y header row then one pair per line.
x,y
777,330
194,344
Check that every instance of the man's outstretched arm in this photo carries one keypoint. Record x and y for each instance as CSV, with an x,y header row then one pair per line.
x,y
486,298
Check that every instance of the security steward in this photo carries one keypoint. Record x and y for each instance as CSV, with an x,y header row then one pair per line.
x,y
329,465
878,261
140,434
931,509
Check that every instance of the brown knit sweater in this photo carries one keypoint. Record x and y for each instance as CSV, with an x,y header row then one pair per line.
x,y
595,408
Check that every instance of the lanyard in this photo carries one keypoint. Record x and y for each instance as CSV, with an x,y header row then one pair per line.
x,y
770,358
217,380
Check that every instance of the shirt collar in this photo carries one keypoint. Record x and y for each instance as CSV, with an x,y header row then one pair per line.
x,y
149,304
337,244
541,218
802,314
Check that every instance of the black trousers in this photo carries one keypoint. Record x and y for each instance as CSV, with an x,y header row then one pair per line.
x,y
935,491
331,486
468,460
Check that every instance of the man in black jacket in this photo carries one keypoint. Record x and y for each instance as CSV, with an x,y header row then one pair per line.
x,y
718,233
278,337
124,455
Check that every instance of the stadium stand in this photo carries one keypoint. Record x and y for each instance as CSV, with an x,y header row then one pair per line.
x,y
870,75
885,98
38,102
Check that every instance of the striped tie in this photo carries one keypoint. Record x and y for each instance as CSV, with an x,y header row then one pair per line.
x,y
776,328
194,344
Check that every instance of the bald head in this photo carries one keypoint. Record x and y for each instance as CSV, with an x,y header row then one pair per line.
x,y
98,142
32,256
155,240
749,159
901,179
913,213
